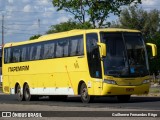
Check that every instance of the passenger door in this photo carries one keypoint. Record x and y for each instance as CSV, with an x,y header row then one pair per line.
x,y
94,61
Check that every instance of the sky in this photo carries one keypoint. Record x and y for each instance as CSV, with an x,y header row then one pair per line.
x,y
25,18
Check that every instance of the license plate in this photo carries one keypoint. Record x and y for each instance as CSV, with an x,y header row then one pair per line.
x,y
129,89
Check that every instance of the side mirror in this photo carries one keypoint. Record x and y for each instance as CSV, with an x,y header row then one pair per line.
x,y
103,49
154,49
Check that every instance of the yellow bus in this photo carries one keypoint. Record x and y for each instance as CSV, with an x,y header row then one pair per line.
x,y
89,63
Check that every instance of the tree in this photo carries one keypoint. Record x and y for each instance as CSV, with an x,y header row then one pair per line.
x,y
155,63
137,18
69,25
97,10
34,37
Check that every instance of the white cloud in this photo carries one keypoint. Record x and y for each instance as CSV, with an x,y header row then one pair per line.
x,y
44,2
148,2
62,19
47,14
10,31
49,9
10,8
27,8
25,1
10,1
34,25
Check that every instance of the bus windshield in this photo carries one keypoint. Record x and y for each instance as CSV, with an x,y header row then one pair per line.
x,y
126,55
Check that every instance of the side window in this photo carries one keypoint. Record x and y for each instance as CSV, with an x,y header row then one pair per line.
x,y
76,45
59,48
24,54
0,52
80,45
7,55
65,47
33,50
6,58
94,62
62,48
38,52
30,52
49,48
16,54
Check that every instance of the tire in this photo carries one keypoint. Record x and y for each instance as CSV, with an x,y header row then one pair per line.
x,y
20,96
123,98
85,98
27,95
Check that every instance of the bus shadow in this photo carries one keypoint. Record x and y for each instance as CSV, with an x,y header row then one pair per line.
x,y
114,100
132,100
135,99
11,99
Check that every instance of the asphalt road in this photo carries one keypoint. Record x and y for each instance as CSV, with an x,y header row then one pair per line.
x,y
137,103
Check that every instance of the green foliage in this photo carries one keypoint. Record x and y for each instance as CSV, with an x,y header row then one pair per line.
x,y
97,11
146,22
154,90
34,37
155,63
69,25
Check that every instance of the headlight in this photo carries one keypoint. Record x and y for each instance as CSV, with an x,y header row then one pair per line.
x,y
146,81
110,82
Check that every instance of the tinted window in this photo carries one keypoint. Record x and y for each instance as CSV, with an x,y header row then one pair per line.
x,y
0,52
49,48
76,46
64,47
33,50
38,55
7,55
24,53
0,59
59,48
93,56
16,54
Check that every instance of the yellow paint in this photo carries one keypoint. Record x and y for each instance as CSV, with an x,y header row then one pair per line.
x,y
123,83
66,72
154,49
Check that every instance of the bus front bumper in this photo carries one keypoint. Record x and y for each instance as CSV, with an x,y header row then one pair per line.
x,y
109,89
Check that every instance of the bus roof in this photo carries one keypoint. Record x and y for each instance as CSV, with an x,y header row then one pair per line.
x,y
69,33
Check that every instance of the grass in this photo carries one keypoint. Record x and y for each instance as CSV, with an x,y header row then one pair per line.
x,y
154,90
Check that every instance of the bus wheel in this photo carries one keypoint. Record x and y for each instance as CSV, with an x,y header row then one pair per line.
x,y
19,94
123,98
84,94
27,94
